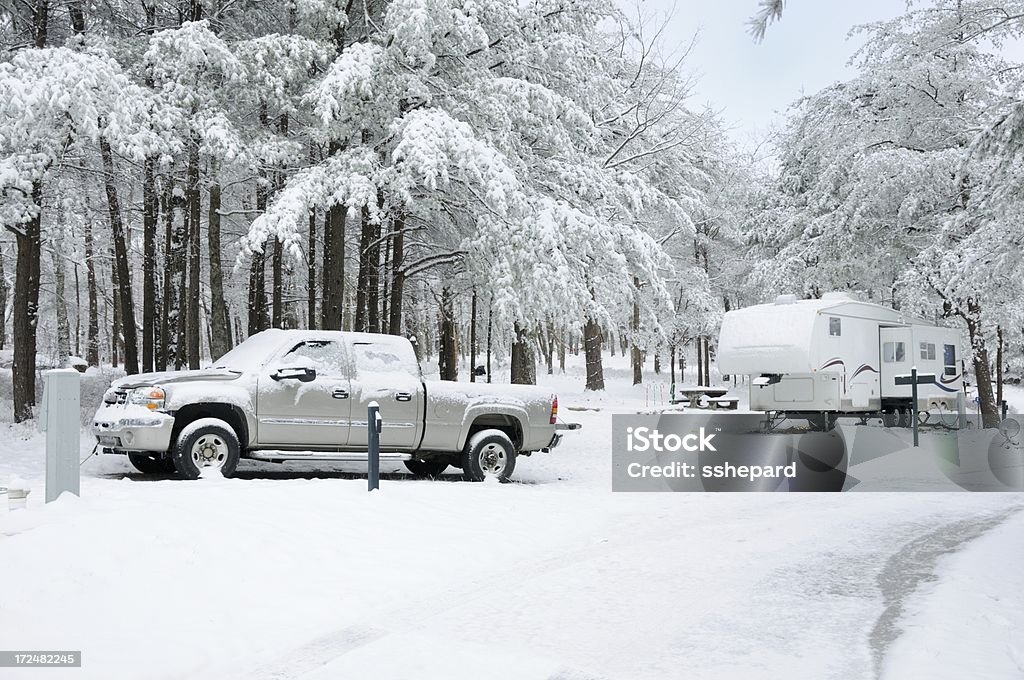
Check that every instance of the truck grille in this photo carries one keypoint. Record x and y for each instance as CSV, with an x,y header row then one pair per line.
x,y
116,397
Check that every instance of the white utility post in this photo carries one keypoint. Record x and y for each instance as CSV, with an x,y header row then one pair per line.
x,y
60,419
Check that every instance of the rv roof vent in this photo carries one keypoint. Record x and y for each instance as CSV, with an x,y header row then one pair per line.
x,y
836,296
785,300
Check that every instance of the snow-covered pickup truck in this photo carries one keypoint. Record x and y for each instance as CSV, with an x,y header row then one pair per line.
x,y
287,395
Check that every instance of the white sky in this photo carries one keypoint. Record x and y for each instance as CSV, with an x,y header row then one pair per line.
x,y
753,84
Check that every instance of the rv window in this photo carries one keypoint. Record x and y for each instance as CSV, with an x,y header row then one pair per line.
x,y
835,326
893,352
928,351
949,359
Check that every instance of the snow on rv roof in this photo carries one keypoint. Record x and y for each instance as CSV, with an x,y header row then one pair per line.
x,y
781,334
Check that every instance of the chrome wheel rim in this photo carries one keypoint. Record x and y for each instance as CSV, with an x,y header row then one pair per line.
x,y
493,459
209,451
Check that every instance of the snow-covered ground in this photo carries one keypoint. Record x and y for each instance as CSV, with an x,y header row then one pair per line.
x,y
287,572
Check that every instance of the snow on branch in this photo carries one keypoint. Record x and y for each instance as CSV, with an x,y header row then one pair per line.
x,y
432,146
348,179
769,12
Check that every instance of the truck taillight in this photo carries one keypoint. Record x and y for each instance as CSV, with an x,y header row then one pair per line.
x,y
554,411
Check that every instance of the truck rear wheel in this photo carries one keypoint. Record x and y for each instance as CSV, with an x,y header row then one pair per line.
x,y
207,443
488,453
151,465
427,469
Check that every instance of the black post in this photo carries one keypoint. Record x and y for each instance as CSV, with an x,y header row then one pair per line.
x,y
913,403
373,425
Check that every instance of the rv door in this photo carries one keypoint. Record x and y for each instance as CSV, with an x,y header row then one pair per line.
x,y
897,350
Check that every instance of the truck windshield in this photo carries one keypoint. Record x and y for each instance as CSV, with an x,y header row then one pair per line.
x,y
251,353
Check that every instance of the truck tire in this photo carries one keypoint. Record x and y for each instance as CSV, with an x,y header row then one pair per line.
x,y
206,443
488,453
427,469
151,465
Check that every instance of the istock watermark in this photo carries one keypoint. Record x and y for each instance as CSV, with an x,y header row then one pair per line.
x,y
752,452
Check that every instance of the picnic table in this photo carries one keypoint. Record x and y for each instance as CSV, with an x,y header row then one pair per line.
x,y
704,397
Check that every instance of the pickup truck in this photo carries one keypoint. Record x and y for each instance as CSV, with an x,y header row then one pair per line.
x,y
296,395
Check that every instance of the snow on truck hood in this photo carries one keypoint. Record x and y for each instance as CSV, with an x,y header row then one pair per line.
x,y
171,377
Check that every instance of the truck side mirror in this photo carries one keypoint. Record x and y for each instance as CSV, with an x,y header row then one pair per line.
x,y
302,374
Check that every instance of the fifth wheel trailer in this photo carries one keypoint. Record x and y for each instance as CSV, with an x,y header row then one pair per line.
x,y
838,356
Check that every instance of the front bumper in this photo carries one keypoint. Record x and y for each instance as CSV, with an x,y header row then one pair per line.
x,y
132,429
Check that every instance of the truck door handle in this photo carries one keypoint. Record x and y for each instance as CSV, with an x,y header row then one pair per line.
x,y
340,394
403,396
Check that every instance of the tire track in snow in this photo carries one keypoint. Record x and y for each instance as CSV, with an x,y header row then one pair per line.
x,y
915,565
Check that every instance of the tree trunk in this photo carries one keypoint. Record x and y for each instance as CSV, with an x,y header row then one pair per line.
x,y
561,351
61,308
257,273
592,339
76,17
26,309
257,293
150,209
707,361
78,312
40,23
490,327
999,370
472,339
277,286
637,357
373,278
333,275
220,329
672,364
115,326
448,356
524,367
194,200
397,277
364,276
124,279
311,316
982,373
3,303
92,341
700,362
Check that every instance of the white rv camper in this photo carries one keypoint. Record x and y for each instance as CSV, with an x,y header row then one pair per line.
x,y
838,356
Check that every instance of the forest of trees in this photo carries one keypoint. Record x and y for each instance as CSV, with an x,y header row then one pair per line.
x,y
519,179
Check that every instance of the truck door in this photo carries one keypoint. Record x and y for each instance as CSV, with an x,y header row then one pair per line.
x,y
896,347
383,374
304,397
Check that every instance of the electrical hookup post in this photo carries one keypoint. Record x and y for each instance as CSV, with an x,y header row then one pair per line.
x,y
60,419
915,379
374,424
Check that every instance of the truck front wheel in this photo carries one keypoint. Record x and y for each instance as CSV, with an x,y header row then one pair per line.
x,y
488,453
208,443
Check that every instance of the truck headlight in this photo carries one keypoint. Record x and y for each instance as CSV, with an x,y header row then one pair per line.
x,y
150,397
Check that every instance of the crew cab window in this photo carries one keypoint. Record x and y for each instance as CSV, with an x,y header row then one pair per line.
x,y
324,356
949,359
893,352
928,351
373,357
